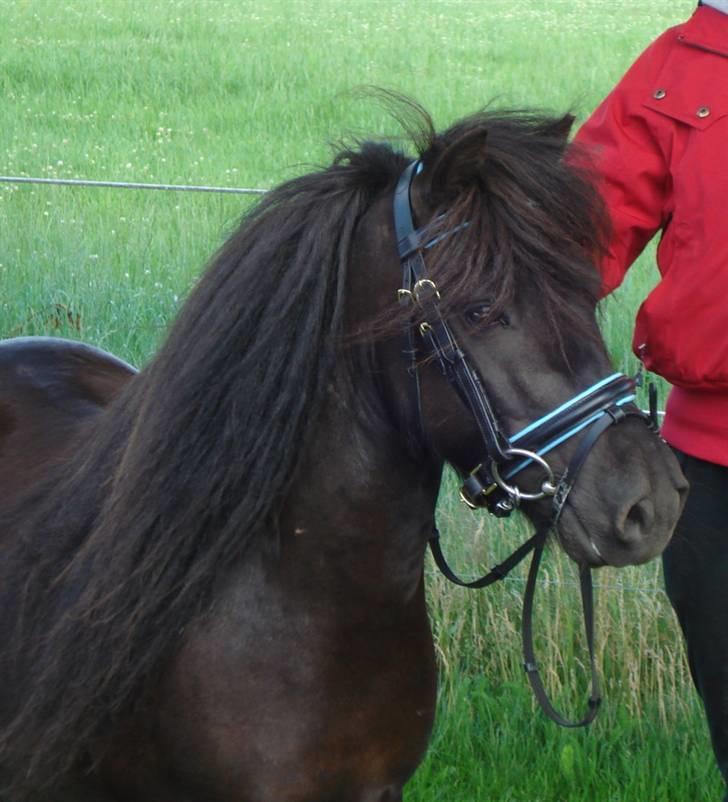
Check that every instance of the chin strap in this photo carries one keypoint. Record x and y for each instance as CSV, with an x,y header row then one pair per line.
x,y
614,415
536,544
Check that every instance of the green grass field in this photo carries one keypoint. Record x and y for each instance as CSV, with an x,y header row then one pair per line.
x,y
249,94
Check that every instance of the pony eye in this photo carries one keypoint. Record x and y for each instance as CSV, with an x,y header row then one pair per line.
x,y
480,314
477,314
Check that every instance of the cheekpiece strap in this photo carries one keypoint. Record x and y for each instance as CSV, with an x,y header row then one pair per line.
x,y
422,292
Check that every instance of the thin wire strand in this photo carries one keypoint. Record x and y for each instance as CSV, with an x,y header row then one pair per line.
x,y
82,182
610,586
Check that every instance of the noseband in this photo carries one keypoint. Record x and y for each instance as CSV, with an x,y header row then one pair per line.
x,y
492,483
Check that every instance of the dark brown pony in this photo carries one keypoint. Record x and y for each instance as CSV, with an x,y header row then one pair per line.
x,y
211,586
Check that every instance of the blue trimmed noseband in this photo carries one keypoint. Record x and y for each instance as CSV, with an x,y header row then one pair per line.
x,y
557,415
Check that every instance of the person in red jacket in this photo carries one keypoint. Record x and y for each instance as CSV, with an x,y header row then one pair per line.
x,y
659,142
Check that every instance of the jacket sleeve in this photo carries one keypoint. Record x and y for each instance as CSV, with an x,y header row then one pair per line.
x,y
622,142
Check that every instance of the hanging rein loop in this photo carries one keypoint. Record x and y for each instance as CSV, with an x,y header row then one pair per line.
x,y
491,483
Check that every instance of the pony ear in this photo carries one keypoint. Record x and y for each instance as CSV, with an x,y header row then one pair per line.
x,y
461,164
561,128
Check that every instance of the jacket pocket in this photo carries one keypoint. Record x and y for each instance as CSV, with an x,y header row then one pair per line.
x,y
683,329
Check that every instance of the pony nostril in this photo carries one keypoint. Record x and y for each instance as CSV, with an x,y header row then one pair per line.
x,y
638,522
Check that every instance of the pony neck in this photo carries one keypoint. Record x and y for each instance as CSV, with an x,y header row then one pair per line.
x,y
362,508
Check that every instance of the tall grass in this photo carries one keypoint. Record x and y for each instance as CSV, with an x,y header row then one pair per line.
x,y
248,94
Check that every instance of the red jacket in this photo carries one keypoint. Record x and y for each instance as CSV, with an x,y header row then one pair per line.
x,y
660,140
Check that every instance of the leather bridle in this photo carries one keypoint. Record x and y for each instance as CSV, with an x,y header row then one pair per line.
x,y
491,483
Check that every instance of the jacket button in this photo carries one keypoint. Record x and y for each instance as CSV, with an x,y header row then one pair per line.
x,y
703,111
659,94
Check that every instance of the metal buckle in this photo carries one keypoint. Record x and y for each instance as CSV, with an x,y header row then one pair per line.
x,y
473,490
425,290
404,296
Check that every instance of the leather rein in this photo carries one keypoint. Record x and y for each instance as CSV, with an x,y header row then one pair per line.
x,y
491,484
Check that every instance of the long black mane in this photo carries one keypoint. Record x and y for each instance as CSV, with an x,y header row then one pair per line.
x,y
109,559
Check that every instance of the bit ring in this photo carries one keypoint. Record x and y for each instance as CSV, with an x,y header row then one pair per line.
x,y
548,486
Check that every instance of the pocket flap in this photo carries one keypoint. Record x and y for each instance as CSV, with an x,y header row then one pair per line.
x,y
691,91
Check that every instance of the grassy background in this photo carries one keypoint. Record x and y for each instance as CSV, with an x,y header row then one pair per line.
x,y
249,94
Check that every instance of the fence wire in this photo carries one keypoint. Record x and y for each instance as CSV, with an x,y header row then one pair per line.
x,y
83,182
